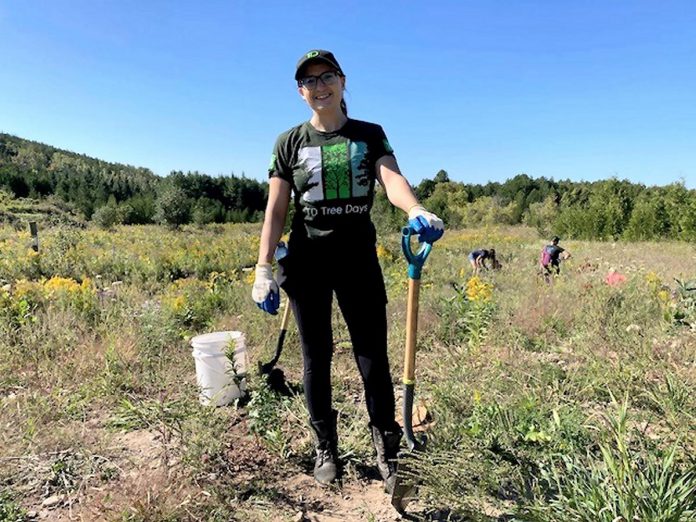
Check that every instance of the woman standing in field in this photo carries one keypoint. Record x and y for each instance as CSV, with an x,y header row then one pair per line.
x,y
330,164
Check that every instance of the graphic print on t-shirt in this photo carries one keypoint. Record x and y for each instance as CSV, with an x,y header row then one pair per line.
x,y
334,160
335,171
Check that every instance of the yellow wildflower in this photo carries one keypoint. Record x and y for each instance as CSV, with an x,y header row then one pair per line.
x,y
478,290
61,284
384,254
179,303
477,397
663,296
653,279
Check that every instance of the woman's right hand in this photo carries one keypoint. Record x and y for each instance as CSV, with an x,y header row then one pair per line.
x,y
265,292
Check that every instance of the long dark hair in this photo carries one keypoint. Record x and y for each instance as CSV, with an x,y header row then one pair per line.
x,y
344,107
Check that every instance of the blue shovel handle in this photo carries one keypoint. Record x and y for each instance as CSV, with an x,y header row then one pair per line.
x,y
415,260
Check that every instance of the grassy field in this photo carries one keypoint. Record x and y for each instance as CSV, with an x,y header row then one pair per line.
x,y
573,400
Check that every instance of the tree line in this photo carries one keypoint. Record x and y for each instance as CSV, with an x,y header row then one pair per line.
x,y
606,210
609,209
109,193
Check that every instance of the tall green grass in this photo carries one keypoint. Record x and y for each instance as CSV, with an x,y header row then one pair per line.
x,y
622,480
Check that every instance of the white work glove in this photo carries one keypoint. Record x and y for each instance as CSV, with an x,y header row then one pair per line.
x,y
427,225
265,291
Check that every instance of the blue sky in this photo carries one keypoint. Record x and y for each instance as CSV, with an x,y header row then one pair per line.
x,y
485,90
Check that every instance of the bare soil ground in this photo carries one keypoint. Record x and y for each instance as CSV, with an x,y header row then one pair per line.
x,y
150,472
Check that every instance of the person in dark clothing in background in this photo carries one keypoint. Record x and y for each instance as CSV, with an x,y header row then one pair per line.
x,y
478,258
551,256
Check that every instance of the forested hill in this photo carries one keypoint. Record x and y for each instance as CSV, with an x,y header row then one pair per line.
x,y
110,193
125,193
32,169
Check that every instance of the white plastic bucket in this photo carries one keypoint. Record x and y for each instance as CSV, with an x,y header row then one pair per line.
x,y
220,379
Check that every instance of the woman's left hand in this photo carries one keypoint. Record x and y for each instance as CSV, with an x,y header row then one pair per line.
x,y
427,225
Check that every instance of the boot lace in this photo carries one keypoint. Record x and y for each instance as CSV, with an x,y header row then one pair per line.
x,y
324,455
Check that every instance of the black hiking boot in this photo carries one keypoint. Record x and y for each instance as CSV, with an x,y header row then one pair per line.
x,y
386,444
326,462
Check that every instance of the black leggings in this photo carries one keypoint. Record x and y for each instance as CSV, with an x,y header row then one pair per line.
x,y
361,296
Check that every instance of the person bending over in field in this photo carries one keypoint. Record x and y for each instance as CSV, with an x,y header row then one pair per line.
x,y
551,256
478,259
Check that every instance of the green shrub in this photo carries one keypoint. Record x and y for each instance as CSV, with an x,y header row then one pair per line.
x,y
107,217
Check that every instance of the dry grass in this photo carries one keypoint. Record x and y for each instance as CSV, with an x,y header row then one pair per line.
x,y
98,404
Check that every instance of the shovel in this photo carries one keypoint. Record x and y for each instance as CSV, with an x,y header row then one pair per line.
x,y
274,376
405,487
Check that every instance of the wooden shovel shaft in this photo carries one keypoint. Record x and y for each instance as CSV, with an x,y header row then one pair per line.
x,y
267,367
286,315
411,331
283,333
405,487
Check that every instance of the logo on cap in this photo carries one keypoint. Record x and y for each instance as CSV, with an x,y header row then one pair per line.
x,y
312,54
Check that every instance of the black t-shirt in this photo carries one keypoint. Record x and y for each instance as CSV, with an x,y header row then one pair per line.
x,y
332,175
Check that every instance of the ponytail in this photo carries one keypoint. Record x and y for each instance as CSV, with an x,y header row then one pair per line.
x,y
344,107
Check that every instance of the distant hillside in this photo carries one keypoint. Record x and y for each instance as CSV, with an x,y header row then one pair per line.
x,y
130,194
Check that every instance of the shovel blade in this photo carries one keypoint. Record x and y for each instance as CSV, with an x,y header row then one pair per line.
x,y
404,492
406,478
406,486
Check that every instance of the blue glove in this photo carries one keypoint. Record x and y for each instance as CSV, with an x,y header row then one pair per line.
x,y
427,225
265,291
281,251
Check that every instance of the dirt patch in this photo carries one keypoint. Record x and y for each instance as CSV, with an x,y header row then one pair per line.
x,y
358,497
149,481
354,501
139,472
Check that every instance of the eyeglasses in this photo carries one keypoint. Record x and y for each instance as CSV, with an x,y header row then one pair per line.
x,y
311,82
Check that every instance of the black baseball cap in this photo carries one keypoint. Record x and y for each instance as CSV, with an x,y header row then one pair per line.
x,y
317,55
